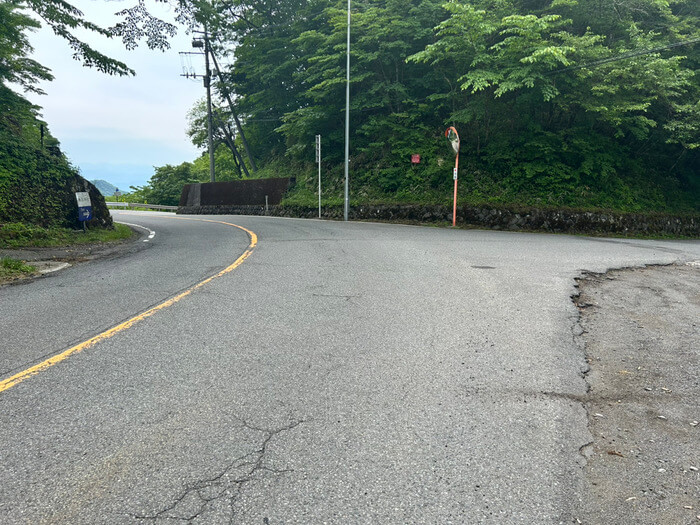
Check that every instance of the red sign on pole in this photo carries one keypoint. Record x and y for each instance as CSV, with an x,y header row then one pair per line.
x,y
415,159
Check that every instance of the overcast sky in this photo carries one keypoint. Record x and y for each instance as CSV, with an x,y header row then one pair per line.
x,y
118,128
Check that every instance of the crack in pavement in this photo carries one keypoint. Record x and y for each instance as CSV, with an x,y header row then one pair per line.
x,y
228,483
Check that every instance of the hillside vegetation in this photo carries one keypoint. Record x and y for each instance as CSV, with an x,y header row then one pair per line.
x,y
559,103
37,183
563,103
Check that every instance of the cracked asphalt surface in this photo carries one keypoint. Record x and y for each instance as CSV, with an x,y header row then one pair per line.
x,y
214,499
344,373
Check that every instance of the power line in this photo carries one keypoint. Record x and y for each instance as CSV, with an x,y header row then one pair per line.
x,y
624,56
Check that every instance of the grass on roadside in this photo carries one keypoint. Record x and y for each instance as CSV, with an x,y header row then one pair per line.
x,y
11,268
20,235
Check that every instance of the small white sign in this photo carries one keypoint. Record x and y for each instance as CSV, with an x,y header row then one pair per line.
x,y
83,198
454,173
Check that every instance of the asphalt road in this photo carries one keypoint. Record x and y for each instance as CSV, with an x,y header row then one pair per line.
x,y
343,373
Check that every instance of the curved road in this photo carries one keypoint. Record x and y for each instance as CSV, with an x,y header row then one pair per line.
x,y
341,373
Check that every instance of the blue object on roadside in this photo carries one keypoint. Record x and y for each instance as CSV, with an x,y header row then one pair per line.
x,y
85,213
84,206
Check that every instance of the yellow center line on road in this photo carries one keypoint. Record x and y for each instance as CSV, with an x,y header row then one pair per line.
x,y
34,370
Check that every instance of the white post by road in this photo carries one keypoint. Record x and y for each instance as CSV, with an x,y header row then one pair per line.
x,y
347,123
318,160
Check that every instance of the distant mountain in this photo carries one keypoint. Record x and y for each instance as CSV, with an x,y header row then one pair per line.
x,y
105,187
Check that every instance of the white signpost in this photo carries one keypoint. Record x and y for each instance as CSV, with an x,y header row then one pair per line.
x,y
83,198
318,161
84,206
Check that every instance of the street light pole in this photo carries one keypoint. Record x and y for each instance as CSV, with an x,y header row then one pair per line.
x,y
347,122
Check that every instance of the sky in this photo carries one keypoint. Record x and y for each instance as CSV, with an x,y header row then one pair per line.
x,y
118,128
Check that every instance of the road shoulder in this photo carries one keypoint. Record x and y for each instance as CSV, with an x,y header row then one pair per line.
x,y
50,259
641,333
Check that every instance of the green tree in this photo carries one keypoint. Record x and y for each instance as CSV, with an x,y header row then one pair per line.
x,y
228,160
32,166
257,38
389,114
36,180
15,64
551,126
136,24
563,102
165,186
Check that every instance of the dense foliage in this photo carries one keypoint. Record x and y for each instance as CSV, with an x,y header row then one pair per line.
x,y
37,183
166,184
28,160
582,103
563,102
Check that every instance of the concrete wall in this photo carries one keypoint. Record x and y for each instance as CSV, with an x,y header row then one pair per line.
x,y
238,192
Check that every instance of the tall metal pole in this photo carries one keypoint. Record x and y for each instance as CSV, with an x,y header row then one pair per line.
x,y
210,125
347,123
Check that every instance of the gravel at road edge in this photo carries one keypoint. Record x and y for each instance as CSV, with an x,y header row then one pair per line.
x,y
640,328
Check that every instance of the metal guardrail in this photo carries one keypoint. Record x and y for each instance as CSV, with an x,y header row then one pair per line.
x,y
139,205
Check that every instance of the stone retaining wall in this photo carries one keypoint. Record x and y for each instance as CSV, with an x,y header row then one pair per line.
x,y
560,221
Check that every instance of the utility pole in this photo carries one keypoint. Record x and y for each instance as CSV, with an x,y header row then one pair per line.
x,y
199,43
210,124
205,43
347,124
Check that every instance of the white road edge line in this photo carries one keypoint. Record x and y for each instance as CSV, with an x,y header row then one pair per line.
x,y
151,233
